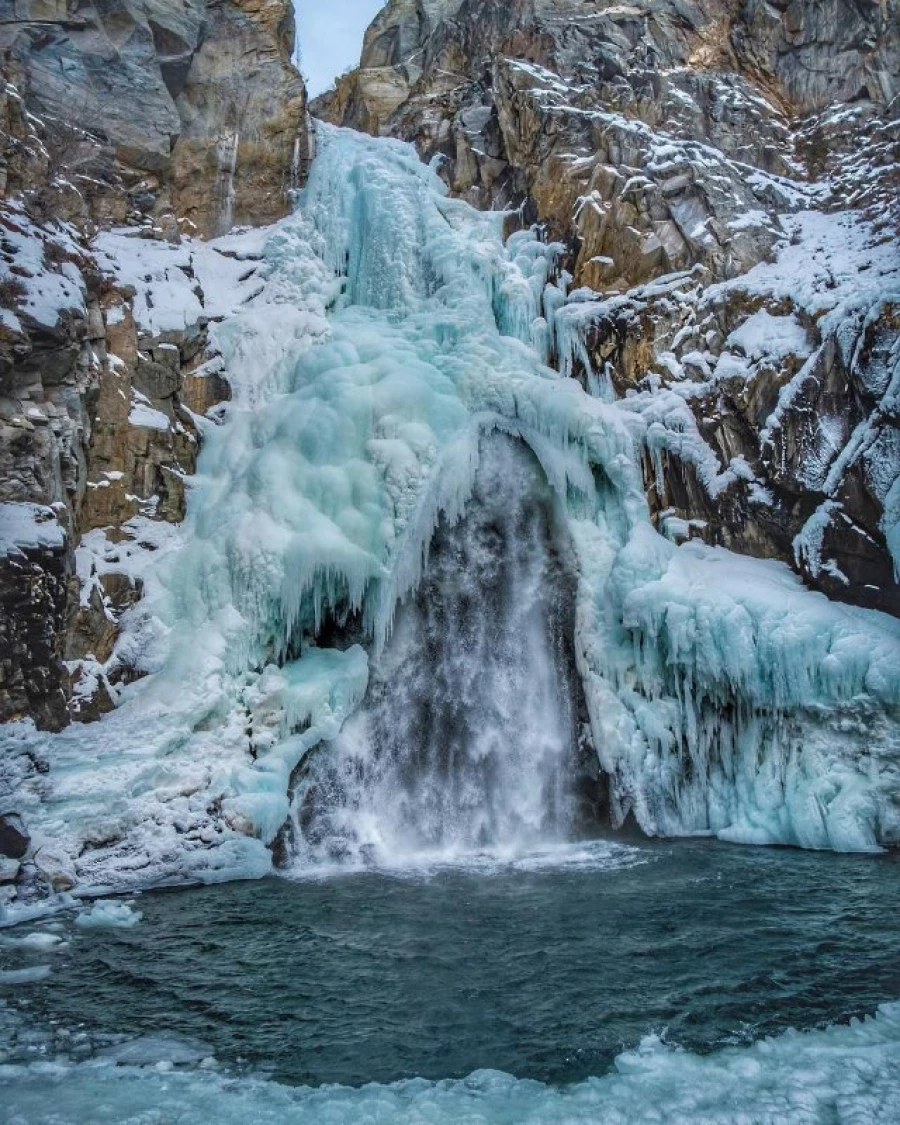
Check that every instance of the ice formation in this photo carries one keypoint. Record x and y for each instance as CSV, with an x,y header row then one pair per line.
x,y
842,1073
388,330
468,741
108,914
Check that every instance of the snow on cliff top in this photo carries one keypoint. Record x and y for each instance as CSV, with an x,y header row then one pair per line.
x,y
28,526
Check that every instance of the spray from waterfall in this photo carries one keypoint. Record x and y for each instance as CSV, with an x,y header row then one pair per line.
x,y
468,740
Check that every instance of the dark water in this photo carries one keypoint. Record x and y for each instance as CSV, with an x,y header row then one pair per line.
x,y
543,973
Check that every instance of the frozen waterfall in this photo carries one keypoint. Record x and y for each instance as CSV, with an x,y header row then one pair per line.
x,y
468,739
394,341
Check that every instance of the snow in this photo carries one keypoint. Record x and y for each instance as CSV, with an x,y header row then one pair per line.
x,y
848,1072
830,263
840,272
29,526
47,288
372,341
147,417
764,336
832,279
10,321
750,220
180,286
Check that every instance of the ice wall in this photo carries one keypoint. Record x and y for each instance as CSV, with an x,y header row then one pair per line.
x,y
395,329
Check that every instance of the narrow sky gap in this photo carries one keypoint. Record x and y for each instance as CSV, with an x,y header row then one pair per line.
x,y
329,37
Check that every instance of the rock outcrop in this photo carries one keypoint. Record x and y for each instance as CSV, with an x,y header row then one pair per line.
x,y
154,109
724,179
170,123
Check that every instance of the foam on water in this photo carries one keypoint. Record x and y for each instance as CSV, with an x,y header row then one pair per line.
x,y
588,855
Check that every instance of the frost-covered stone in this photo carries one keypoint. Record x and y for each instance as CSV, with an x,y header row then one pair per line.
x,y
55,867
9,869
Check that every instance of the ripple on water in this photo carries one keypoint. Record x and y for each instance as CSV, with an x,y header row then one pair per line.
x,y
545,967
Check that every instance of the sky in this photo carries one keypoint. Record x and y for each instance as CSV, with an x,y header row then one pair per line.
x,y
330,35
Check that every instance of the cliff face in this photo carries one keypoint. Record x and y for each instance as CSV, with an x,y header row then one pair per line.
x,y
169,123
724,178
155,109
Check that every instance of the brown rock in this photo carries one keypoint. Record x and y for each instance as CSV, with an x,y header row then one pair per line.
x,y
243,135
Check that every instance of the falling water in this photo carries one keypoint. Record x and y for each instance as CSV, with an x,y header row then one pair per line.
x,y
469,737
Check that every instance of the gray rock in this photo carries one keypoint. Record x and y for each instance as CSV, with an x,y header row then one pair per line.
x,y
14,840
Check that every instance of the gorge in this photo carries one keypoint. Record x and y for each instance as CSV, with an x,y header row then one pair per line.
x,y
493,515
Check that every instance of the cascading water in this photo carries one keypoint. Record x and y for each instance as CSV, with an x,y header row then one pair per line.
x,y
391,336
469,739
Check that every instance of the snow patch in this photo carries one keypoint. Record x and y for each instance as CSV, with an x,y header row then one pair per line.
x,y
29,526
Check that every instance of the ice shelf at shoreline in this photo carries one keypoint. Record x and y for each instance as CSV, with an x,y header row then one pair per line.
x,y
842,1073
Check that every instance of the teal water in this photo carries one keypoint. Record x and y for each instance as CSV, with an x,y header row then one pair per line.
x,y
542,969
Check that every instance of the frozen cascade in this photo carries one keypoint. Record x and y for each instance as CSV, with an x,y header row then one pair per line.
x,y
393,330
469,737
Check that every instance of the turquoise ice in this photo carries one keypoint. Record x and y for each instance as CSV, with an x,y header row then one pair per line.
x,y
396,328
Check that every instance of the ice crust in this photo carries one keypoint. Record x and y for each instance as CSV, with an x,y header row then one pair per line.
x,y
386,329
109,914
846,1073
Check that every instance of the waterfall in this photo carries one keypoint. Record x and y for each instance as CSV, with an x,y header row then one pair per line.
x,y
227,156
314,608
468,739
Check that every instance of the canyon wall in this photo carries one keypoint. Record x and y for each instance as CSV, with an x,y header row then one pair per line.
x,y
170,124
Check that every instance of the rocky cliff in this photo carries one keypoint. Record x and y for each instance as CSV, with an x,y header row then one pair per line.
x,y
170,124
724,180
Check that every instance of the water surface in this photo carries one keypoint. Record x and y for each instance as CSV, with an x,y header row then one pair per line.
x,y
542,969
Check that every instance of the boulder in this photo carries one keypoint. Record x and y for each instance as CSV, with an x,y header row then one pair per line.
x,y
14,840
55,868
